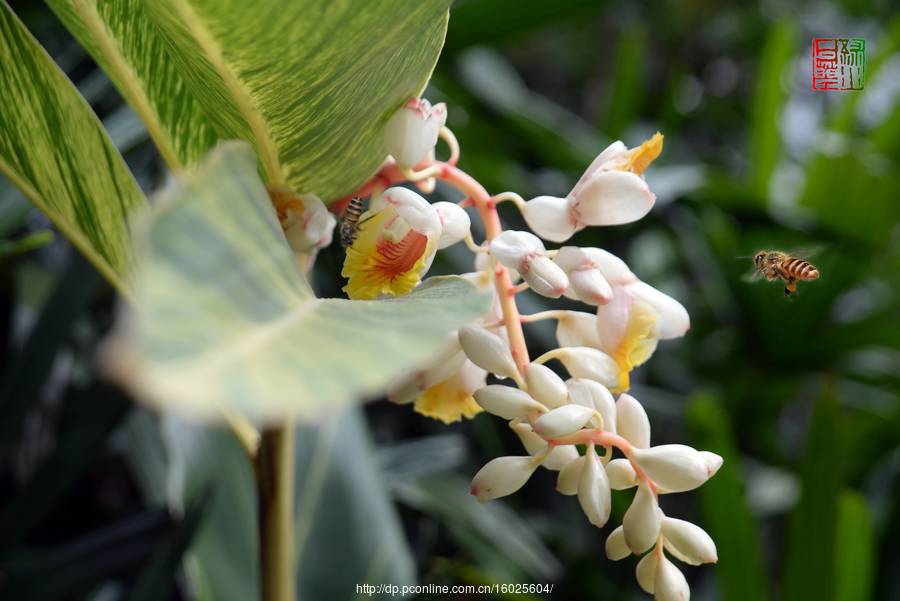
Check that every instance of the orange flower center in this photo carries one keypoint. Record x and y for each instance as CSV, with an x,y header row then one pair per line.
x,y
393,259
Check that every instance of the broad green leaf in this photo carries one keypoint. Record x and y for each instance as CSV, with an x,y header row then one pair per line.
x,y
53,148
25,243
126,44
739,573
226,322
311,83
855,557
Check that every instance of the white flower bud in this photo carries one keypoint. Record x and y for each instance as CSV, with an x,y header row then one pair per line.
x,y
673,467
557,459
614,269
713,462
544,276
642,521
669,584
502,476
621,474
612,198
593,490
512,248
562,421
507,402
545,386
413,131
593,394
550,218
487,351
616,547
590,363
569,476
632,422
310,229
688,542
587,283
645,571
455,223
577,328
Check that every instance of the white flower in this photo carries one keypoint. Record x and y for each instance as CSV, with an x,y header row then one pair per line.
x,y
550,218
562,421
405,389
590,363
525,253
645,571
621,474
577,328
455,223
307,223
507,402
616,547
642,521
673,467
569,477
594,395
632,423
502,476
413,131
688,542
545,386
593,490
586,281
557,459
669,583
487,351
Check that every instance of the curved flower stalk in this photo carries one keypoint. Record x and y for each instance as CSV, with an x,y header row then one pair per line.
x,y
599,348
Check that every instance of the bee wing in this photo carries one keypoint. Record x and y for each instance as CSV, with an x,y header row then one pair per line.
x,y
752,276
806,252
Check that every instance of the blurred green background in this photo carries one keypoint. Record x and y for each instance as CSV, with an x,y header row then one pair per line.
x,y
101,500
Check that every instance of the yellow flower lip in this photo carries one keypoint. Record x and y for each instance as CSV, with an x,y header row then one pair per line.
x,y
641,157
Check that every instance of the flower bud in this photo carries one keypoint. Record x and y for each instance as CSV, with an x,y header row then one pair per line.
x,y
569,477
642,521
593,394
621,474
612,198
545,386
590,363
645,571
673,467
557,459
713,462
669,584
616,547
487,351
307,223
562,421
512,248
673,321
688,542
631,421
550,218
577,328
502,476
507,402
455,223
544,276
413,131
587,283
593,490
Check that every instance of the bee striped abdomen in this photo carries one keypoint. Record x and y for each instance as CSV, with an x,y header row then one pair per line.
x,y
350,221
800,269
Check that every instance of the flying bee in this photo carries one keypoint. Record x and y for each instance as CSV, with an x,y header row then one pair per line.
x,y
350,221
777,265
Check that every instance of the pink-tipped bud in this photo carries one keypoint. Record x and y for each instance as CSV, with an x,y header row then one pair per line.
x,y
413,131
593,490
587,283
673,467
713,462
593,394
642,521
545,386
669,584
616,547
621,474
590,363
524,252
569,476
557,459
455,223
486,350
544,277
311,228
563,421
502,476
632,422
689,542
507,402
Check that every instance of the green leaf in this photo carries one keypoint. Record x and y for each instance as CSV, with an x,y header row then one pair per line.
x,y
811,536
53,148
25,243
854,551
311,83
226,322
739,572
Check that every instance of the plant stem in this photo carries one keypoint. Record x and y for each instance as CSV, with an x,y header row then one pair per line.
x,y
275,488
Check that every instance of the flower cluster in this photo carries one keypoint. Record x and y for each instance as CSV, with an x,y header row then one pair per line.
x,y
395,245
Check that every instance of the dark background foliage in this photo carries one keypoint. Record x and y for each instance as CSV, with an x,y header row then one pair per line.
x,y
799,396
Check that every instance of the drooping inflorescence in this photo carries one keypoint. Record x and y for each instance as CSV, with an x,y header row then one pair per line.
x,y
397,239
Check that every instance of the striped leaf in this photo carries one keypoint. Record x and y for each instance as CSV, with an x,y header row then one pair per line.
x,y
53,148
226,322
310,82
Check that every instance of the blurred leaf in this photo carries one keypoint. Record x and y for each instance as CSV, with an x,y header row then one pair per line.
x,y
765,137
27,373
808,566
54,150
226,322
25,243
413,459
725,515
627,85
854,557
346,530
